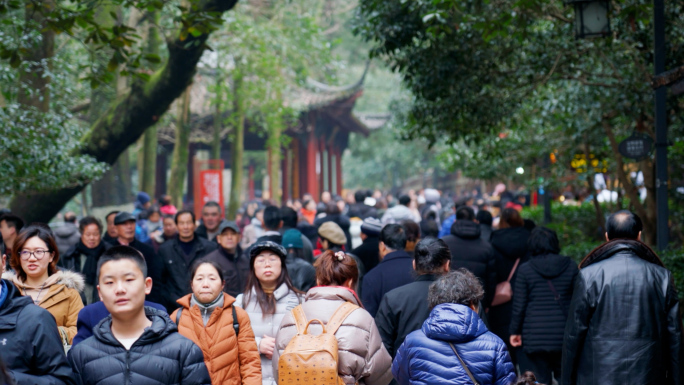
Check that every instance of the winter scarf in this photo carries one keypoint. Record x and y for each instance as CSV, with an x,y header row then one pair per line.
x,y
89,268
208,308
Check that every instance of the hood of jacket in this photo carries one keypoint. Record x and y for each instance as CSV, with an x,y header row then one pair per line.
x,y
511,242
453,323
549,265
14,302
334,293
68,278
466,229
161,327
616,246
66,230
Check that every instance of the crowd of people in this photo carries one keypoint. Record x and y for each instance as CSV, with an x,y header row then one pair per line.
x,y
365,290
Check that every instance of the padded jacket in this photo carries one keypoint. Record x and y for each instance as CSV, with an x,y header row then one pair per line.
x,y
537,314
425,357
624,325
30,346
235,268
175,277
362,356
470,251
61,297
230,360
286,300
159,356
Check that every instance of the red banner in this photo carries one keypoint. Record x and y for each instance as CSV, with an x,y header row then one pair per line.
x,y
211,188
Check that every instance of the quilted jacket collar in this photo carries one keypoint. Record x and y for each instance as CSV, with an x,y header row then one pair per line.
x,y
453,323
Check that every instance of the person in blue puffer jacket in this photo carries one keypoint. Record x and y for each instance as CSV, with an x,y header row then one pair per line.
x,y
427,355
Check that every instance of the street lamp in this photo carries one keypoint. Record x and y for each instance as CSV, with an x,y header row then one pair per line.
x,y
591,18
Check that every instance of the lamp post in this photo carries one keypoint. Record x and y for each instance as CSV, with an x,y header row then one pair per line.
x,y
591,20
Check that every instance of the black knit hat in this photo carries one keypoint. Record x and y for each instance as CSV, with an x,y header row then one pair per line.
x,y
258,247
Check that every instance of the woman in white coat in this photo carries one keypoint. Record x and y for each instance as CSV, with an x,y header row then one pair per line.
x,y
269,295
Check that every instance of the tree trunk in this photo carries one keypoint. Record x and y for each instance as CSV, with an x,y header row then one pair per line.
x,y
218,119
149,143
275,146
128,117
237,150
179,158
36,83
649,232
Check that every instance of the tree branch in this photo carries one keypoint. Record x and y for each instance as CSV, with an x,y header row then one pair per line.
x,y
128,117
667,78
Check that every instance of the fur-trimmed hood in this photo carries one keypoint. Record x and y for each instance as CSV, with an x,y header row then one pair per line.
x,y
68,278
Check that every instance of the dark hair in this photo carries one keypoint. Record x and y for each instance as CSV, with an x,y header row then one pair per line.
x,y
12,221
178,214
484,217
330,271
41,231
118,253
266,302
458,286
111,213
511,218
289,217
271,218
527,378
411,229
431,254
70,217
543,241
332,209
624,224
465,213
404,200
393,236
87,221
200,262
212,204
360,196
429,228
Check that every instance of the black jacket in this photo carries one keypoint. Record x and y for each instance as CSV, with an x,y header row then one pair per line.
x,y
509,244
362,211
154,268
302,273
395,270
71,260
537,314
201,230
369,252
624,325
402,311
470,251
176,269
30,346
159,356
235,269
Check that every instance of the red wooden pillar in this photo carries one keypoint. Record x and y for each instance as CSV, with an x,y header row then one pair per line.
x,y
285,175
338,165
250,181
329,148
311,163
321,167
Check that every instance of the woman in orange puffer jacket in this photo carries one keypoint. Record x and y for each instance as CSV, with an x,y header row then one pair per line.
x,y
206,317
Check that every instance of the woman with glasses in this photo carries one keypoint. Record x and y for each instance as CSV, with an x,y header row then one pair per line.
x,y
34,260
269,295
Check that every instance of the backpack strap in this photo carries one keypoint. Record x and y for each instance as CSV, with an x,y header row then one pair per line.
x,y
339,316
178,315
299,318
236,323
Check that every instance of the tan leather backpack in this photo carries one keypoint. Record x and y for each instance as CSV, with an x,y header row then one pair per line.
x,y
312,359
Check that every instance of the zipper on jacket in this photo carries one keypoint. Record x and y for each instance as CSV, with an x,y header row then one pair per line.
x,y
127,373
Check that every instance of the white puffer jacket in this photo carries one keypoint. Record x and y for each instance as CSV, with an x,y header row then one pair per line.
x,y
286,300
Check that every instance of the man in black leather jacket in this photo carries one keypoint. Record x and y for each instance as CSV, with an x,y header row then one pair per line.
x,y
624,325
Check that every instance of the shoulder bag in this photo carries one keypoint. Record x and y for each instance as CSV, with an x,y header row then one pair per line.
x,y
465,367
504,291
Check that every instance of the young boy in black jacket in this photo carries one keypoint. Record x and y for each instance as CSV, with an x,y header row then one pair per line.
x,y
136,344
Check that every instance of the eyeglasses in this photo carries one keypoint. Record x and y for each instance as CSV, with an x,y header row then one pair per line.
x,y
39,254
262,260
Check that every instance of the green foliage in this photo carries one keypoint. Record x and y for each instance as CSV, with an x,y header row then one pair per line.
x,y
37,152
